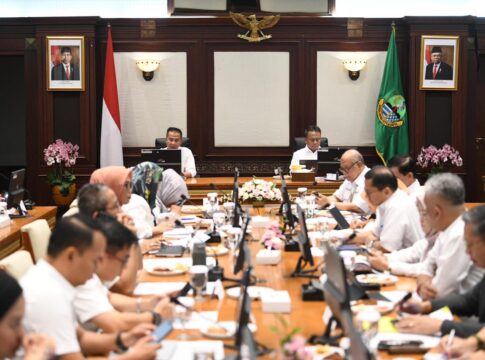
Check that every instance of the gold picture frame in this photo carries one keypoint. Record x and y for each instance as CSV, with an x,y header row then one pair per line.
x,y
439,62
65,63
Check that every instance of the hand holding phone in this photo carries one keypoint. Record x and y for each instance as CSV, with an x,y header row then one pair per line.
x,y
162,331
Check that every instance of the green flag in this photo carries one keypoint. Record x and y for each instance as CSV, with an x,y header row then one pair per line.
x,y
391,115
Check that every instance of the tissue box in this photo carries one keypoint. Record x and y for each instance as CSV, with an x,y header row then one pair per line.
x,y
4,221
276,302
260,221
268,257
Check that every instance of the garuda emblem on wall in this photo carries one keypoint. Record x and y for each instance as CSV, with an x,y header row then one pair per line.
x,y
254,26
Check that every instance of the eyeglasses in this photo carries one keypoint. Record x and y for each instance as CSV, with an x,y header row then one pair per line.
x,y
346,171
123,261
128,185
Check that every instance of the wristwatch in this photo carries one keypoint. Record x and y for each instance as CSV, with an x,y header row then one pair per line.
x,y
157,318
119,343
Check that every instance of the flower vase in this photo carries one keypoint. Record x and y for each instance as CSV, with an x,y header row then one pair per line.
x,y
61,199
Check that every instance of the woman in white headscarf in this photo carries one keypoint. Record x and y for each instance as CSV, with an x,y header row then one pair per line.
x,y
171,191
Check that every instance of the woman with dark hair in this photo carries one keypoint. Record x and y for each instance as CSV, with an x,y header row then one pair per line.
x,y
12,308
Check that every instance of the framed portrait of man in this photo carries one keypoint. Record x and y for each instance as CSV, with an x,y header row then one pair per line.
x,y
65,63
439,62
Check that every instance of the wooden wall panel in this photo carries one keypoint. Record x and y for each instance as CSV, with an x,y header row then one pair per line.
x,y
200,37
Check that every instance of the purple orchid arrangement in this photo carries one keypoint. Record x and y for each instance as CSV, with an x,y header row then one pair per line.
x,y
438,158
273,237
61,155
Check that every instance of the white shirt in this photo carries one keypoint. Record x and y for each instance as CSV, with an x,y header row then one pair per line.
x,y
397,222
141,214
405,262
415,189
91,300
349,191
448,263
188,161
303,154
48,306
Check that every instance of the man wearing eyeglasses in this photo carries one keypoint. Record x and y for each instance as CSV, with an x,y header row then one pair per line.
x,y
347,197
397,224
111,312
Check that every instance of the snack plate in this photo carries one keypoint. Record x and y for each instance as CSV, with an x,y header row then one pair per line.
x,y
381,279
223,329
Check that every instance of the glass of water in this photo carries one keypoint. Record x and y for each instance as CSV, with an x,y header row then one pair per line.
x,y
219,218
229,208
198,279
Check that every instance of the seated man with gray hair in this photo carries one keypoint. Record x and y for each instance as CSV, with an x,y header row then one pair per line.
x,y
347,197
447,269
471,303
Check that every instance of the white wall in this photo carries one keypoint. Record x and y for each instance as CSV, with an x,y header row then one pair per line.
x,y
251,98
346,108
147,108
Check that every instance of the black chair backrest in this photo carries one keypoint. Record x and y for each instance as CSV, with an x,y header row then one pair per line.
x,y
299,143
162,142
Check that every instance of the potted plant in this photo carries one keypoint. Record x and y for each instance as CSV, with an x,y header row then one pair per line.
x,y
437,159
61,156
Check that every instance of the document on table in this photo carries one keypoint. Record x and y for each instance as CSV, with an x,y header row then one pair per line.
x,y
172,349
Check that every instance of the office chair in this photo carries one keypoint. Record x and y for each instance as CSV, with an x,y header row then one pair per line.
x,y
162,142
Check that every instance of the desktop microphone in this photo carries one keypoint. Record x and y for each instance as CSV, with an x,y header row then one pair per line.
x,y
219,190
216,272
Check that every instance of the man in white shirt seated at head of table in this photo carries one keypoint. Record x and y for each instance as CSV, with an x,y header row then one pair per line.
x,y
447,269
397,224
75,247
347,197
174,142
404,168
313,135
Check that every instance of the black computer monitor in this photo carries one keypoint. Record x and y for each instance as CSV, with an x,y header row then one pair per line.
x,y
335,288
358,349
17,179
289,219
243,251
310,164
339,218
305,249
235,199
329,159
165,158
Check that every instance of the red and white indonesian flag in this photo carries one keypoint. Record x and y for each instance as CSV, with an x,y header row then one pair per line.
x,y
111,143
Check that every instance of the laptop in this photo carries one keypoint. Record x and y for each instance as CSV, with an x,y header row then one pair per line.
x,y
167,159
171,250
329,159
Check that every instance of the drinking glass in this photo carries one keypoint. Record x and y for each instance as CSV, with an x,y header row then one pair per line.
x,y
232,237
219,218
302,193
184,314
212,200
310,206
198,279
229,207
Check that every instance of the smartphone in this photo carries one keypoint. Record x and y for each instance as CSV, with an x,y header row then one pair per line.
x,y
162,330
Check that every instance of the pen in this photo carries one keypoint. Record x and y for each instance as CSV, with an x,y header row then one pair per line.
x,y
450,339
403,300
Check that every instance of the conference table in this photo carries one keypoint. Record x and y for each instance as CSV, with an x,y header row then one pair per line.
x,y
306,315
11,237
199,187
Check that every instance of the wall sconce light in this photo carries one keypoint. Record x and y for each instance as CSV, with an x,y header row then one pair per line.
x,y
148,67
354,67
